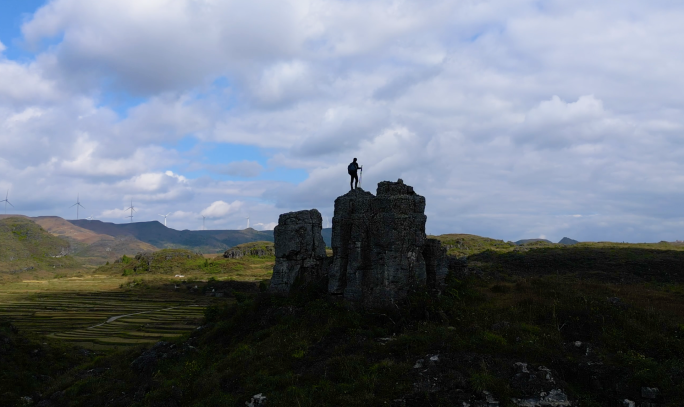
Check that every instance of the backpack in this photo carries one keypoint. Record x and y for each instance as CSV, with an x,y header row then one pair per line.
x,y
351,168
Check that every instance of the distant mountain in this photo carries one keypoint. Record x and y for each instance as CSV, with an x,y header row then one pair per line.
x,y
156,234
91,247
327,236
568,241
86,246
526,241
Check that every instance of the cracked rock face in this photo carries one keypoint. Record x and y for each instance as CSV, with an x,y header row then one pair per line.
x,y
299,250
379,247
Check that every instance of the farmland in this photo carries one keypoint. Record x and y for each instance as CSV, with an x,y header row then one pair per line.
x,y
95,313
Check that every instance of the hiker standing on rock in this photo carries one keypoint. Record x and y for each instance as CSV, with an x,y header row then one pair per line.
x,y
352,170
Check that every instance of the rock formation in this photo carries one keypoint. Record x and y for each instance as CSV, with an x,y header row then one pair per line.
x,y
299,250
380,252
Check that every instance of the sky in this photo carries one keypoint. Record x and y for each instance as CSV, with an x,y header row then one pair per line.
x,y
514,118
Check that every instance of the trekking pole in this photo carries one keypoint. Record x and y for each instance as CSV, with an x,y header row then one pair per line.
x,y
361,180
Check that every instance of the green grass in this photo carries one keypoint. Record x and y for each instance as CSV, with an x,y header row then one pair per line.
x,y
531,305
171,262
157,310
310,351
27,249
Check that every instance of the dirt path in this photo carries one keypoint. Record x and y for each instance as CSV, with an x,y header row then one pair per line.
x,y
112,319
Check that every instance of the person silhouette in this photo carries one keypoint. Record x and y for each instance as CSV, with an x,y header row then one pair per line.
x,y
352,169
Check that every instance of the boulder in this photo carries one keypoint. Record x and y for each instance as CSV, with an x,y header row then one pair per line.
x,y
299,251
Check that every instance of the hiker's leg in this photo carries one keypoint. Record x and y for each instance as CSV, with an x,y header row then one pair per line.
x,y
356,183
351,182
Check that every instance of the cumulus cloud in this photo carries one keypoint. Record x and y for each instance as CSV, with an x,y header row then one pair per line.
x,y
265,226
220,209
556,123
509,117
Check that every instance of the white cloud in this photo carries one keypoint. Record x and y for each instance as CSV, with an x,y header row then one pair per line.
x,y
23,84
220,209
507,116
265,226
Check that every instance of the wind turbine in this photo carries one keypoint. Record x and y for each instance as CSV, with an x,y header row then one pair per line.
x,y
132,208
6,201
165,217
90,217
247,222
203,227
77,204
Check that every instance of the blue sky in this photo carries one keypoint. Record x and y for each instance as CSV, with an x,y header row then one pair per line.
x,y
515,119
13,15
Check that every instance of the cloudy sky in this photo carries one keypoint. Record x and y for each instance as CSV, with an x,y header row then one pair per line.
x,y
514,118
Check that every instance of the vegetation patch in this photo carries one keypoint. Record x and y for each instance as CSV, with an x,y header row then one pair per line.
x,y
181,262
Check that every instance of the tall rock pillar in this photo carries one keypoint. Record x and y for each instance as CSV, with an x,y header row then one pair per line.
x,y
378,245
350,243
299,251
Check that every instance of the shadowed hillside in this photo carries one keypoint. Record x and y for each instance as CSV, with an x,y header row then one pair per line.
x,y
160,236
605,261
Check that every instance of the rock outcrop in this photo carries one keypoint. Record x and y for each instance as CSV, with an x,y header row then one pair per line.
x,y
436,263
299,250
380,252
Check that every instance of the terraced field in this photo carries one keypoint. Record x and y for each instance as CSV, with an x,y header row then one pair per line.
x,y
102,320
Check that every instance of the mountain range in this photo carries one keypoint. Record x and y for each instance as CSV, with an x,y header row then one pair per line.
x,y
158,235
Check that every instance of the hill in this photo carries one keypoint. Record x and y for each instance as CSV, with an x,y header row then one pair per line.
x,y
461,244
26,247
568,241
156,234
90,247
528,241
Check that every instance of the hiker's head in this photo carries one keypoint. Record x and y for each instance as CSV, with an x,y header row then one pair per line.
x,y
354,159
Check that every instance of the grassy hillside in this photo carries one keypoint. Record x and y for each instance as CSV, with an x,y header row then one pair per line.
x,y
89,247
459,244
25,247
497,340
616,262
156,234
